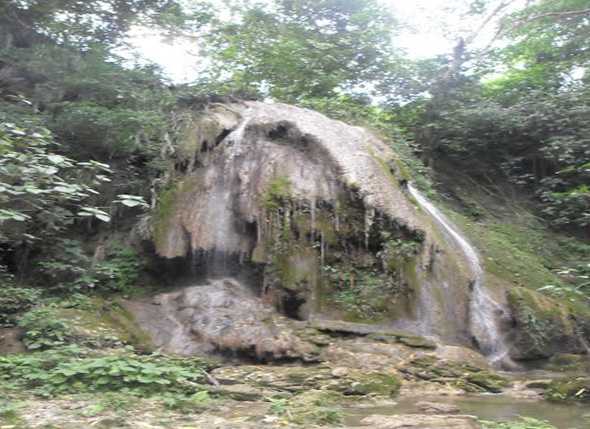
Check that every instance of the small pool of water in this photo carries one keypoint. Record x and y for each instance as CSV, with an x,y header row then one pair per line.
x,y
488,407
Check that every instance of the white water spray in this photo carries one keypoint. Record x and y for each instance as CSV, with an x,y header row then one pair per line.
x,y
484,309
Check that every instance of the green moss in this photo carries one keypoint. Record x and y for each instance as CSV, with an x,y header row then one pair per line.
x,y
393,168
129,331
376,384
406,339
569,389
164,211
465,376
544,325
104,324
311,408
168,200
296,269
277,193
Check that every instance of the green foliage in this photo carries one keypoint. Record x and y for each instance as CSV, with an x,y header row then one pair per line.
x,y
38,187
277,193
364,293
73,370
107,132
72,270
293,50
85,24
524,107
15,300
44,329
185,402
396,253
576,283
10,413
522,423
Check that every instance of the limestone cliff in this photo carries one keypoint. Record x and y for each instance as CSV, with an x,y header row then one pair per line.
x,y
307,197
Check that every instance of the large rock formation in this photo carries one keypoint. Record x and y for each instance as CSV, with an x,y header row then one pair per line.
x,y
321,212
319,204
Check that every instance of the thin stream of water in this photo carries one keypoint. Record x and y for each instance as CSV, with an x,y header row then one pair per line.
x,y
484,309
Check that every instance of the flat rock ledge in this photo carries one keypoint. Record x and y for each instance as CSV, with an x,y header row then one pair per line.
x,y
420,421
374,332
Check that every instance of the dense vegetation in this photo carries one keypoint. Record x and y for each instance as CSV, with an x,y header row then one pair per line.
x,y
85,131
77,116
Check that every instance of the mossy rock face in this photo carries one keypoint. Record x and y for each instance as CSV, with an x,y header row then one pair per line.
x,y
544,326
405,339
375,384
302,379
104,324
569,389
467,377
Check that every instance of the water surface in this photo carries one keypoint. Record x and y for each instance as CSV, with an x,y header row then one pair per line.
x,y
489,407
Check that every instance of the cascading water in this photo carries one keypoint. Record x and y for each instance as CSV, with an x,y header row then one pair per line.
x,y
484,309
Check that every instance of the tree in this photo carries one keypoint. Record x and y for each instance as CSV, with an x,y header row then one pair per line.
x,y
530,119
302,48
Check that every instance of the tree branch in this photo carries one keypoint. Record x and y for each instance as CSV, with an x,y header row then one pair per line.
x,y
564,14
518,24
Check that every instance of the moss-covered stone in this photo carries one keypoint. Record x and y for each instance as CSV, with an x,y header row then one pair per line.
x,y
569,389
465,376
104,324
543,326
312,408
413,341
374,384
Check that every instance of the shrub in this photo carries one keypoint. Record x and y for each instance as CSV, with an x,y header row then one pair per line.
x,y
44,329
72,270
14,300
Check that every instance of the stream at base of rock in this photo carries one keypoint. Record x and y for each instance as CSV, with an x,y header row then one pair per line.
x,y
484,407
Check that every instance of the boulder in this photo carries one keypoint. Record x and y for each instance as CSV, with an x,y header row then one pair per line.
x,y
543,327
218,317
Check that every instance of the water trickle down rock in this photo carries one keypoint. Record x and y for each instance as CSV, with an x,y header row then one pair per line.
x,y
290,180
485,311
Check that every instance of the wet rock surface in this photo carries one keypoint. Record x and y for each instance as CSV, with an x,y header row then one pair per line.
x,y
437,408
419,421
293,190
464,376
222,316
375,333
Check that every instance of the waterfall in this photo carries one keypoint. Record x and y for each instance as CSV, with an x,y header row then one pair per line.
x,y
484,309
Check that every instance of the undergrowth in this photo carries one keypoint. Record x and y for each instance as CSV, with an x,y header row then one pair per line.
x,y
71,369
